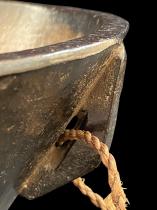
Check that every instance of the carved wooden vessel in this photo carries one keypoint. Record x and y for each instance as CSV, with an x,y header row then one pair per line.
x,y
59,67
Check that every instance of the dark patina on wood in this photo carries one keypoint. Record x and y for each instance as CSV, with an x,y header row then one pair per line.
x,y
70,77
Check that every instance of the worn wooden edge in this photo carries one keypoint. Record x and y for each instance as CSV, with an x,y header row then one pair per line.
x,y
112,31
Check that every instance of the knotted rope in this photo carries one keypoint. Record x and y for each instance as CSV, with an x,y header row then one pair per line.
x,y
116,200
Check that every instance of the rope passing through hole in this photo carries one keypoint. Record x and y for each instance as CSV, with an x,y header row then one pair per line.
x,y
116,200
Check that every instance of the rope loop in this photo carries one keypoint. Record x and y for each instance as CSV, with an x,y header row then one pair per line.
x,y
116,200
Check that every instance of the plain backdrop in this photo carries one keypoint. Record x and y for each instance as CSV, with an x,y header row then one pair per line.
x,y
126,138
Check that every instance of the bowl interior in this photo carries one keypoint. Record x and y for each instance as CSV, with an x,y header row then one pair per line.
x,y
27,26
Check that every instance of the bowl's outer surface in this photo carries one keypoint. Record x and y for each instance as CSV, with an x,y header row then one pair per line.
x,y
37,102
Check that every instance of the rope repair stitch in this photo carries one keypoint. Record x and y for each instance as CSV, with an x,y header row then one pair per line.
x,y
116,200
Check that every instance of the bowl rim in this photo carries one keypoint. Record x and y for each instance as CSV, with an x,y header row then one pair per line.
x,y
32,59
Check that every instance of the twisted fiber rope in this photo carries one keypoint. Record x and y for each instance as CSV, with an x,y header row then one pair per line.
x,y
116,200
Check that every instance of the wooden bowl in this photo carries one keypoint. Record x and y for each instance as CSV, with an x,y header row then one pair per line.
x,y
60,68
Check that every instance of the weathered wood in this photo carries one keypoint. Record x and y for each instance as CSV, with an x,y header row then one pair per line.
x,y
76,81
